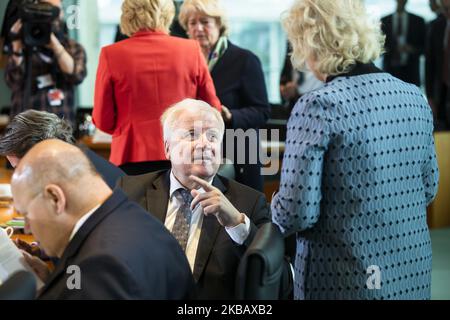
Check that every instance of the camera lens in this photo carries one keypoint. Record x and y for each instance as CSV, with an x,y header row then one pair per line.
x,y
37,32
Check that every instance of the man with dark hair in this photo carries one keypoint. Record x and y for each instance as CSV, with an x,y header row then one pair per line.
x,y
31,127
405,43
437,66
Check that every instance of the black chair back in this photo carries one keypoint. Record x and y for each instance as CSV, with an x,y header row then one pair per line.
x,y
261,269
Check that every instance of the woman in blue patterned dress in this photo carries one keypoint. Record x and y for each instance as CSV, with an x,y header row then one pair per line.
x,y
359,168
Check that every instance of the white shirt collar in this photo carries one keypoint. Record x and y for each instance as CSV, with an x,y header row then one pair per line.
x,y
81,221
175,185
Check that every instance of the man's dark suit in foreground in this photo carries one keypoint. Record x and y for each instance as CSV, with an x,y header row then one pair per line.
x,y
122,253
217,256
438,91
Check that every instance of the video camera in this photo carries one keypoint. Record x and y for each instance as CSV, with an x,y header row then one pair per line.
x,y
37,18
37,21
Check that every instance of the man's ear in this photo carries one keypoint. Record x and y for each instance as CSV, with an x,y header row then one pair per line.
x,y
167,149
57,198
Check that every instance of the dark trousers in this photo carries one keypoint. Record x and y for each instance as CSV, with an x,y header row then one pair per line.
x,y
443,110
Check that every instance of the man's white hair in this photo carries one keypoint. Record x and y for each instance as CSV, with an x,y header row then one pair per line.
x,y
172,114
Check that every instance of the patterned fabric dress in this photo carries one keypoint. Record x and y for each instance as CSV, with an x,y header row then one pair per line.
x,y
46,64
358,173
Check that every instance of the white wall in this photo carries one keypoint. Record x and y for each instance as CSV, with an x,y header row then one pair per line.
x,y
88,36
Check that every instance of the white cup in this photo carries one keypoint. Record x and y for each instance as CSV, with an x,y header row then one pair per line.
x,y
9,231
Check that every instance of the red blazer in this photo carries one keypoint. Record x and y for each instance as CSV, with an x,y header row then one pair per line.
x,y
137,80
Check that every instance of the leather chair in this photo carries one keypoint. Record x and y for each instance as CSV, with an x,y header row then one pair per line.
x,y
20,286
264,273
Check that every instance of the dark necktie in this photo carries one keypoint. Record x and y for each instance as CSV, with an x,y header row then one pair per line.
x,y
399,25
183,219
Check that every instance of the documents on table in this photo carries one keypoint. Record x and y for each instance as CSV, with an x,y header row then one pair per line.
x,y
12,260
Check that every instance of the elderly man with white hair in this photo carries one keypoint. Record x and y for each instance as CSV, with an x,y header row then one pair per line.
x,y
214,219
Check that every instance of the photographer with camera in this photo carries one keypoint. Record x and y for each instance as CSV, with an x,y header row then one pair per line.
x,y
44,65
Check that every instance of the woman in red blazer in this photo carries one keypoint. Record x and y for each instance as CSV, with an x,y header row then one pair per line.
x,y
138,78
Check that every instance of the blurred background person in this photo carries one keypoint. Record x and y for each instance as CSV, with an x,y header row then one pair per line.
x,y
238,78
175,29
294,83
138,78
119,35
43,77
405,43
437,66
359,168
435,6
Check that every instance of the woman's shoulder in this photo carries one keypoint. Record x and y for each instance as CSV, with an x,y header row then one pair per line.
x,y
161,39
182,41
357,89
378,80
371,83
240,52
318,96
314,104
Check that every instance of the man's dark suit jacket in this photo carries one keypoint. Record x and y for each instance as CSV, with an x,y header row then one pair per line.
x,y
239,81
218,255
109,172
436,90
122,253
416,38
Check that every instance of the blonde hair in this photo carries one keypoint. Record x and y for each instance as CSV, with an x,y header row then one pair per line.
x,y
170,116
146,14
334,33
209,8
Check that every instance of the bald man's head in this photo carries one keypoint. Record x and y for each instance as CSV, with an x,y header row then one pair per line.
x,y
54,161
53,186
